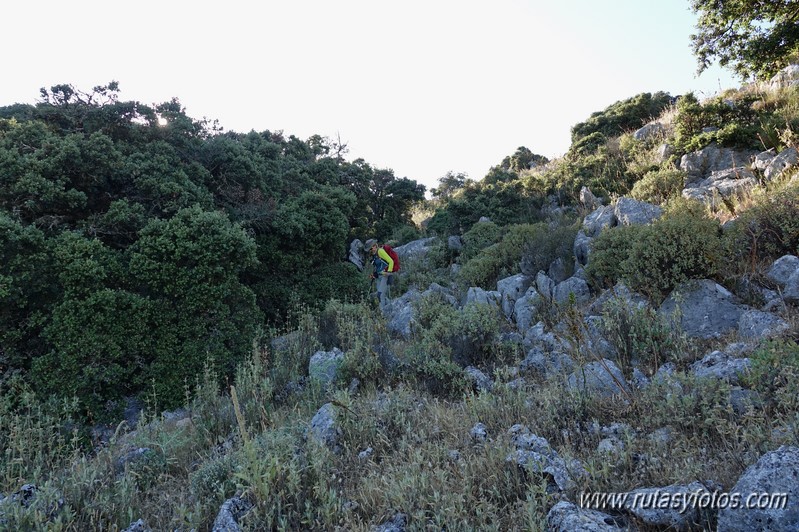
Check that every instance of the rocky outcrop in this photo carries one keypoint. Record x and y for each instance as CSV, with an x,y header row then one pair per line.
x,y
601,377
535,455
775,473
721,366
356,254
324,365
701,164
721,185
682,514
324,428
633,212
510,290
231,512
706,309
568,517
416,248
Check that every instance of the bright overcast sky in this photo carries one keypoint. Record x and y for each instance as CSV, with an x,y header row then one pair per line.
x,y
421,87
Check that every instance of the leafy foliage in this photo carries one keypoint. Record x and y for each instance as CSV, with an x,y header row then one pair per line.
x,y
618,118
753,38
654,259
138,244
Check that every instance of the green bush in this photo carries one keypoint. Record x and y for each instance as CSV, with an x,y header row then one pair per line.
x,y
622,116
736,124
641,336
775,374
479,237
609,251
545,244
522,248
658,186
654,259
483,269
766,231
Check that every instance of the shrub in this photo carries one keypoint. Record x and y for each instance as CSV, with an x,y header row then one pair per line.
x,y
522,248
480,236
654,259
775,374
736,124
483,269
544,244
622,116
641,336
609,252
657,186
475,332
767,230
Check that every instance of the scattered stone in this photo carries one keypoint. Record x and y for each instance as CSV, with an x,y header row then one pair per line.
x,y
721,185
582,247
744,401
356,254
587,198
546,364
633,212
665,151
526,309
598,220
603,378
545,285
476,294
787,159
620,294
511,289
400,314
481,382
138,526
568,517
454,455
791,293
479,433
721,366
324,427
324,365
611,446
534,454
758,324
782,269
455,243
231,512
787,77
776,472
573,285
396,524
654,129
763,159
707,309
645,504
365,454
702,163
662,437
415,248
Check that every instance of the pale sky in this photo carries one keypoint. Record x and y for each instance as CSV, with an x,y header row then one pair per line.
x,y
421,87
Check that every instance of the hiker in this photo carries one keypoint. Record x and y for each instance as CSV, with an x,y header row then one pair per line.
x,y
386,264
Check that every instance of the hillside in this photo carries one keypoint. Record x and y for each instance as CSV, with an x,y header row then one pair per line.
x,y
619,321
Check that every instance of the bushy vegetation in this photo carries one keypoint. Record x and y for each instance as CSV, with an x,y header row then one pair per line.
x,y
133,250
180,263
654,259
659,186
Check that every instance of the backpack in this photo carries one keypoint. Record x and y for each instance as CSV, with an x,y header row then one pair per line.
x,y
393,254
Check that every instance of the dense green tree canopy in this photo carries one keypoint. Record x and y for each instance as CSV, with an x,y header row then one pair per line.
x,y
138,244
753,37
